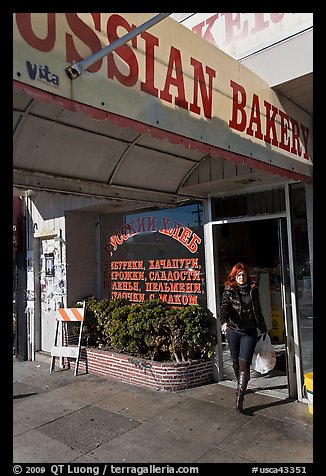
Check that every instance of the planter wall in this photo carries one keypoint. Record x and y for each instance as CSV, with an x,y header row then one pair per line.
x,y
143,372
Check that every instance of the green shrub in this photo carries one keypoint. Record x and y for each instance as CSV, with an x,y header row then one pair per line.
x,y
151,329
192,336
97,319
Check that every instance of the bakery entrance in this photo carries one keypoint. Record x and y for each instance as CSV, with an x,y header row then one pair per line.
x,y
262,245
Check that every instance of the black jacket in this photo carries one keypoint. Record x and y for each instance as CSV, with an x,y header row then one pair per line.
x,y
231,308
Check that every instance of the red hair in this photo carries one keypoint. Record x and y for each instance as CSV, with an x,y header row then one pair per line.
x,y
231,281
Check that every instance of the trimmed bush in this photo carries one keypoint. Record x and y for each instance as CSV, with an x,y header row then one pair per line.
x,y
151,329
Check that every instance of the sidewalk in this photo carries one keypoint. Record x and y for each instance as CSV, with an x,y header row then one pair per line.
x,y
60,418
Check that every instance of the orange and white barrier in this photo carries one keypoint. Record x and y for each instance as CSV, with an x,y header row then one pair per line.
x,y
65,315
71,314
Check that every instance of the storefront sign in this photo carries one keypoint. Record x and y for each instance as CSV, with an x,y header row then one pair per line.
x,y
239,34
175,281
155,255
167,78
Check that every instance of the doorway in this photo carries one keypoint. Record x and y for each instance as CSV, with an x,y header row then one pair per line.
x,y
262,245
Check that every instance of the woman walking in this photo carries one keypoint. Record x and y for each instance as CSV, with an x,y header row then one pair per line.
x,y
241,319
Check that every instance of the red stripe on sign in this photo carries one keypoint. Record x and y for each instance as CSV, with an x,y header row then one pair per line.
x,y
77,313
63,314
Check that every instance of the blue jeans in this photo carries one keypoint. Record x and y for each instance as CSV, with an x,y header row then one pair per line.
x,y
241,344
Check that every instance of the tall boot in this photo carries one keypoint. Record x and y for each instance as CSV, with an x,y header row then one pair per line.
x,y
241,390
236,369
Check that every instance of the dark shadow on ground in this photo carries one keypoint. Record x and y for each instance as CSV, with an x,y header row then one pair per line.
x,y
250,411
24,395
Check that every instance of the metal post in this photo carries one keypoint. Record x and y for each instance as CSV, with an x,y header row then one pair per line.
x,y
76,69
212,299
294,325
21,331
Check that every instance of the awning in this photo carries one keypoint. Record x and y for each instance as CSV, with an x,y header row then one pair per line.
x,y
155,152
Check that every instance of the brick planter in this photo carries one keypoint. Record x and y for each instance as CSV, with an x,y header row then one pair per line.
x,y
143,372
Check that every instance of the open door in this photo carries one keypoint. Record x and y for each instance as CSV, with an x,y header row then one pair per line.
x,y
262,245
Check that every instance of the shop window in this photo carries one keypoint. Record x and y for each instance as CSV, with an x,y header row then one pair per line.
x,y
155,254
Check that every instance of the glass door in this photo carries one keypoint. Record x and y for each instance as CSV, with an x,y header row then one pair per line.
x,y
262,245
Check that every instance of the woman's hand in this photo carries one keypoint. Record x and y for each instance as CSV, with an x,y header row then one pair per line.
x,y
225,327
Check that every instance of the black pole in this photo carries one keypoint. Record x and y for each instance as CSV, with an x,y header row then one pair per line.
x,y
21,329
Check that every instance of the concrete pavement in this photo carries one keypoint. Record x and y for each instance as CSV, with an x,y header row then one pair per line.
x,y
60,418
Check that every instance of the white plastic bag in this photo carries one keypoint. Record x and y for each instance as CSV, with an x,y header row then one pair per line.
x,y
264,358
